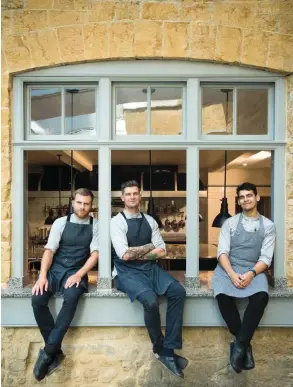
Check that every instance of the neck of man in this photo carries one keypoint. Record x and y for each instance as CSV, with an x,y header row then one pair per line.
x,y
133,210
251,213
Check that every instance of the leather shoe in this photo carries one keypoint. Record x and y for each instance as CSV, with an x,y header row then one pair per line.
x,y
56,363
237,357
42,364
170,363
248,362
181,361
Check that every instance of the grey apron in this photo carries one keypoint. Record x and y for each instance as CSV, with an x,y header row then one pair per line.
x,y
245,250
136,277
73,252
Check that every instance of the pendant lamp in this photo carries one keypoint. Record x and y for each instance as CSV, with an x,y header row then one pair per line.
x,y
151,208
59,211
224,212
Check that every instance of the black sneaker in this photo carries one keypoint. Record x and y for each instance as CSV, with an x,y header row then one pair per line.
x,y
170,363
181,361
56,363
42,364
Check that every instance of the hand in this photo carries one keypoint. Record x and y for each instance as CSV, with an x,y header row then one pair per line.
x,y
246,278
236,280
40,286
72,280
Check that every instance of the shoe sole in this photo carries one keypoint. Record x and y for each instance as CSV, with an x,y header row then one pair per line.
x,y
56,368
178,376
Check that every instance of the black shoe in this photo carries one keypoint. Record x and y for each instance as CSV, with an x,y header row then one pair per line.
x,y
181,361
237,356
170,363
42,364
56,363
248,362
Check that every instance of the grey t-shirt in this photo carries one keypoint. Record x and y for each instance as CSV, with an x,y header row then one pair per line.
x,y
59,225
250,224
119,230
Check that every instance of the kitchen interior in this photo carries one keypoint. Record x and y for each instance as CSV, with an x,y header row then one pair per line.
x,y
53,175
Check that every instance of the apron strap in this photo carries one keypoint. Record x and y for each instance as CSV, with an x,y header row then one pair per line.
x,y
91,220
140,223
68,217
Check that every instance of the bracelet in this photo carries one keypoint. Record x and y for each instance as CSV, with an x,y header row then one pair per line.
x,y
254,272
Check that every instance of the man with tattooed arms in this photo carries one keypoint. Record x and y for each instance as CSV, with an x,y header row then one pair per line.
x,y
138,245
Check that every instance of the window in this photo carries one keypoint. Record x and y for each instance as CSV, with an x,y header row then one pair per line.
x,y
149,109
236,110
57,111
186,114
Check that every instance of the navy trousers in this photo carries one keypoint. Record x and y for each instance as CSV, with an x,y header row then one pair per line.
x,y
174,319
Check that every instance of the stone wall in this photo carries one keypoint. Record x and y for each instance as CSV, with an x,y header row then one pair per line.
x,y
123,357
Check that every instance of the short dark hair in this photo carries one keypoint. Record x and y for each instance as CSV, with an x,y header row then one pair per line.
x,y
129,183
83,192
246,187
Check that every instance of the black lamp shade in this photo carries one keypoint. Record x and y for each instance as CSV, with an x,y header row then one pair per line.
x,y
223,215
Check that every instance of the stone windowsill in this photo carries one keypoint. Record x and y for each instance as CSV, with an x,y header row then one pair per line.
x,y
98,293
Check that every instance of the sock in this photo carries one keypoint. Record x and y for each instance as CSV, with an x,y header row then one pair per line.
x,y
166,352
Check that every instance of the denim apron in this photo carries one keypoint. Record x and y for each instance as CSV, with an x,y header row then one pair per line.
x,y
73,252
245,250
135,277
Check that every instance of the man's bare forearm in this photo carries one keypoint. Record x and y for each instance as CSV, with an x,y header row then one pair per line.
x,y
46,263
138,252
154,254
90,263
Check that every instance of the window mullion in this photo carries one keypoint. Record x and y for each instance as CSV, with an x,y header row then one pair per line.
x,y
234,111
149,111
63,112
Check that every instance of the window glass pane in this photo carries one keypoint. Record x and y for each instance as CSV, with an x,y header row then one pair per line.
x,y
131,110
80,111
45,111
166,110
252,111
217,111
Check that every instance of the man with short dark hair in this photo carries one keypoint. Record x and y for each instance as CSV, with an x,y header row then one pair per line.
x,y
138,245
245,251
71,251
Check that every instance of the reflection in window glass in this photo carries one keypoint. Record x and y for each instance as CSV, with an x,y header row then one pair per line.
x,y
80,111
217,111
252,111
166,110
131,110
46,111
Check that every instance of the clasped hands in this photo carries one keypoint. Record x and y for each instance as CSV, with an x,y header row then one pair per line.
x,y
241,281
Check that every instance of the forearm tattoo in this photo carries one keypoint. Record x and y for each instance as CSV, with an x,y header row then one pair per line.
x,y
151,256
139,252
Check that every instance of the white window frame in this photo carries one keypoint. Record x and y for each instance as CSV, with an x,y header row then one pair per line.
x,y
241,137
149,135
148,71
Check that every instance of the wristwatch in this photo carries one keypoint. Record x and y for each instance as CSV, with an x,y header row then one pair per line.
x,y
254,272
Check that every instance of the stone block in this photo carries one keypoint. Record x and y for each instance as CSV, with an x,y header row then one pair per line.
x,y
6,23
6,211
6,231
203,41
228,44
280,54
286,23
236,15
5,271
4,117
107,375
63,4
127,11
197,12
44,48
267,18
6,250
175,39
160,11
18,59
39,4
148,38
12,4
71,43
28,21
64,18
121,38
81,4
254,48
96,41
101,11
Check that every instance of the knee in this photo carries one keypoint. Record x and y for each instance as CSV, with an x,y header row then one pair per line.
x,y
261,298
177,290
72,295
150,303
39,301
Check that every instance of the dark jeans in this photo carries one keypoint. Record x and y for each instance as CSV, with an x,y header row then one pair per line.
x,y
243,331
53,333
174,319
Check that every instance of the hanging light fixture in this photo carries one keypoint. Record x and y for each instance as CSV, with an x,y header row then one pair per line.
x,y
224,212
71,183
151,208
59,211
